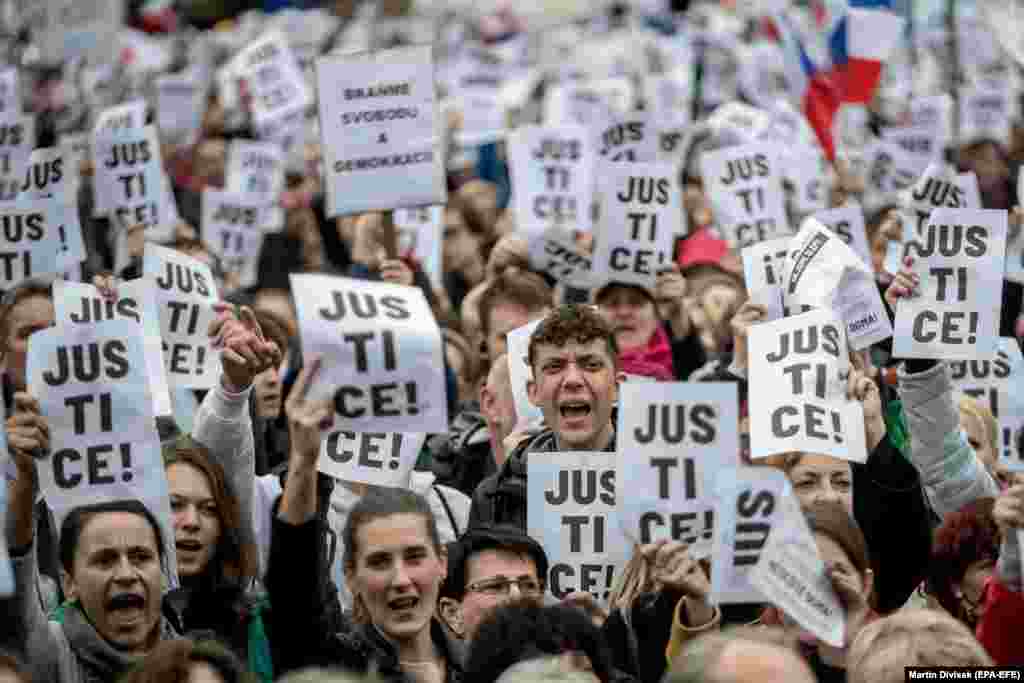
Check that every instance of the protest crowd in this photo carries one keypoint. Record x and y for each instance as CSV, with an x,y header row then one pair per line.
x,y
437,342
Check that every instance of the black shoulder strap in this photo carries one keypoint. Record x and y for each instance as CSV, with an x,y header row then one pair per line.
x,y
447,510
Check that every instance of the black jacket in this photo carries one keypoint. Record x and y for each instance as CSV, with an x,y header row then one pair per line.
x,y
501,498
307,631
463,458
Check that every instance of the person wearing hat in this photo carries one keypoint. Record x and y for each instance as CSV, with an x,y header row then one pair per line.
x,y
487,567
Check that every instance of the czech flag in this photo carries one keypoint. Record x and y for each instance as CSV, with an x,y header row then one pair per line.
x,y
859,42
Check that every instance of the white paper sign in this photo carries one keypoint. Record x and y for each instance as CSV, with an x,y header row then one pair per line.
x,y
185,294
380,131
420,231
924,141
747,504
641,213
32,243
799,367
79,303
552,178
985,114
17,140
382,354
959,259
93,390
806,170
555,254
10,95
76,28
180,107
764,263
231,224
274,80
890,170
791,575
1015,244
518,343
822,272
633,138
570,509
996,384
376,458
673,437
257,169
130,181
744,184
847,222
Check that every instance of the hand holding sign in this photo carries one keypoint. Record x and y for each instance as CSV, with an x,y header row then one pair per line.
x,y
246,352
28,434
675,569
306,418
861,388
670,291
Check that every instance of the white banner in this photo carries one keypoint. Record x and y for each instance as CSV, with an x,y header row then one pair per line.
x,y
92,388
570,509
381,141
799,368
744,184
81,304
673,437
747,503
641,214
185,294
381,349
552,178
377,458
959,259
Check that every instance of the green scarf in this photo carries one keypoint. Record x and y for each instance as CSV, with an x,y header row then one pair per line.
x,y
896,428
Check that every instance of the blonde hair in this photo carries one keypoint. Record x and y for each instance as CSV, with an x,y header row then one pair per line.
x,y
911,637
544,670
976,408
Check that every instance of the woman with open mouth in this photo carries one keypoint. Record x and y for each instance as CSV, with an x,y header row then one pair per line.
x,y
216,565
393,561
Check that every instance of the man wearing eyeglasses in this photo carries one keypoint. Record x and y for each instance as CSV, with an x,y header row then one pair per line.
x,y
488,567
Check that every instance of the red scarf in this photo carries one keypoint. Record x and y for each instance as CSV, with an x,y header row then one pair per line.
x,y
653,360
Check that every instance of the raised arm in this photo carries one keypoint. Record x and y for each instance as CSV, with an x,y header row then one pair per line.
x,y
223,423
24,630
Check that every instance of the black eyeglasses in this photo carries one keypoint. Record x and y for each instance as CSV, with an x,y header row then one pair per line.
x,y
502,586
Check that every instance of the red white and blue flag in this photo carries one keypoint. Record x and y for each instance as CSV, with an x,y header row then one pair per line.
x,y
860,40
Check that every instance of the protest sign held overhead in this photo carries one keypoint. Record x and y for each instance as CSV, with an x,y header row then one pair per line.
x,y
376,458
571,510
1015,244
552,178
421,234
17,140
807,173
556,254
985,114
672,440
185,294
380,130
995,383
180,107
81,304
959,259
595,105
32,244
232,227
847,222
641,214
744,184
130,182
764,263
382,353
791,575
92,387
889,171
823,272
632,138
272,75
257,169
520,373
799,367
78,28
747,503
